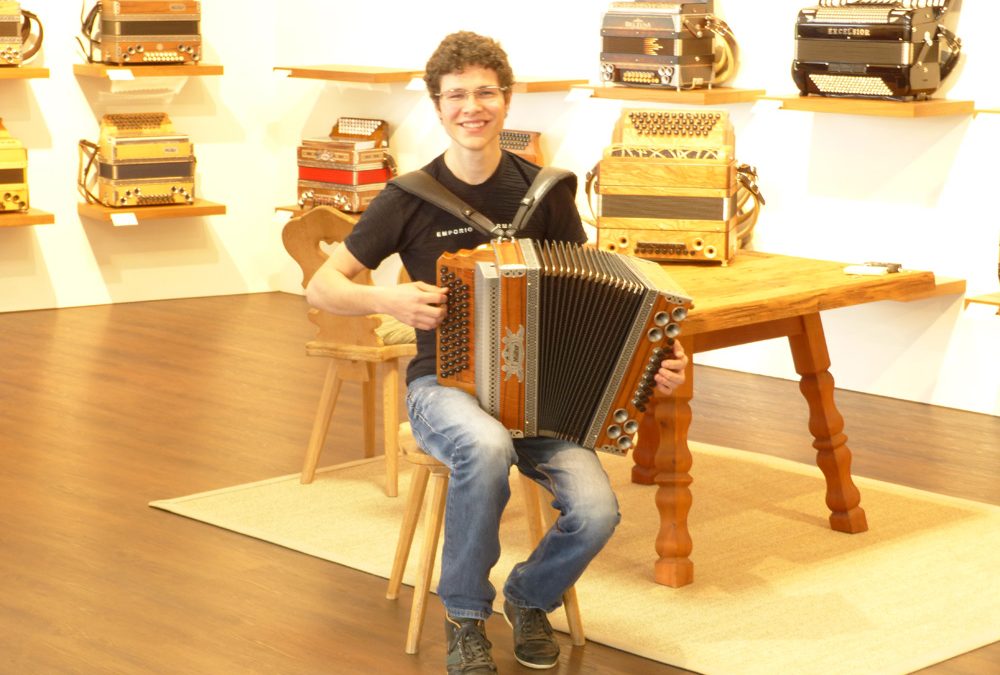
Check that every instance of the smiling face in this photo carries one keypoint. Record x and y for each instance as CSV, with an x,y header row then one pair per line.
x,y
473,124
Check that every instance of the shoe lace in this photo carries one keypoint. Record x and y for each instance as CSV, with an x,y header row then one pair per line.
x,y
534,625
473,645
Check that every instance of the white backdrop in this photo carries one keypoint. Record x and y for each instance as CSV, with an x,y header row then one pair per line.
x,y
841,187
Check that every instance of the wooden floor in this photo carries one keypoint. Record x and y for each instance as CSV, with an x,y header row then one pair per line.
x,y
103,409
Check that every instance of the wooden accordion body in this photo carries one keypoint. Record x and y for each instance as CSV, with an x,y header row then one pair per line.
x,y
555,339
135,32
668,187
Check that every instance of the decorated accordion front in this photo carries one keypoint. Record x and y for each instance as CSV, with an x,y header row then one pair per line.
x,y
678,45
19,42
556,339
525,144
13,173
135,32
139,160
347,169
670,189
884,49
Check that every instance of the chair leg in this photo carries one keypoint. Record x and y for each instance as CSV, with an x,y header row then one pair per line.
x,y
535,512
390,425
321,425
432,531
418,487
368,408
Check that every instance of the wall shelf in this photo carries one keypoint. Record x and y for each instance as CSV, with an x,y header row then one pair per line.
x,y
297,210
121,216
32,217
862,106
713,96
23,73
349,73
536,85
108,72
988,299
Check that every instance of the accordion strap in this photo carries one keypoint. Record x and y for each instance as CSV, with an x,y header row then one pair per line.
x,y
421,184
30,17
727,57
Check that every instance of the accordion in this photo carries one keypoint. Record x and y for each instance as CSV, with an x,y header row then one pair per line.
x,y
670,189
135,32
139,160
555,339
347,169
525,144
13,173
883,49
16,34
666,45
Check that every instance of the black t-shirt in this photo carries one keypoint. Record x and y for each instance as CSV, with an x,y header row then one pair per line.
x,y
399,222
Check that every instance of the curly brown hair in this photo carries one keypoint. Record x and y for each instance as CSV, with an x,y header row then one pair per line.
x,y
460,50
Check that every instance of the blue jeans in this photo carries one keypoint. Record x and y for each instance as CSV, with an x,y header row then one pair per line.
x,y
450,425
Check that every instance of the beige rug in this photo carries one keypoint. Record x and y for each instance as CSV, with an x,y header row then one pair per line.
x,y
776,591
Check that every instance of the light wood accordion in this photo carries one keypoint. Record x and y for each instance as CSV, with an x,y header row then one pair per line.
x,y
556,339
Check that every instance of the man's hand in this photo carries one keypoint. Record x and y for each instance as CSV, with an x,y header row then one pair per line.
x,y
416,304
671,373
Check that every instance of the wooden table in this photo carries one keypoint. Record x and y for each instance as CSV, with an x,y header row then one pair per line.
x,y
757,297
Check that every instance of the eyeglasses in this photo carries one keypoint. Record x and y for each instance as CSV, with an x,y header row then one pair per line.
x,y
480,94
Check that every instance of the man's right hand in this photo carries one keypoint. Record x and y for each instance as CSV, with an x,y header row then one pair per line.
x,y
416,304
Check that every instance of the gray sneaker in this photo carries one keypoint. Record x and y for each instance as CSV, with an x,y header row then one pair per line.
x,y
468,648
535,644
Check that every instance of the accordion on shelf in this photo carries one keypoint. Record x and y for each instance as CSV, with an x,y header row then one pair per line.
x,y
347,169
526,144
556,339
671,45
669,188
885,49
139,160
136,32
13,173
21,34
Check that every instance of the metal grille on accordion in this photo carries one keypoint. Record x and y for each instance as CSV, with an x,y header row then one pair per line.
x,y
666,45
556,339
348,168
670,189
885,49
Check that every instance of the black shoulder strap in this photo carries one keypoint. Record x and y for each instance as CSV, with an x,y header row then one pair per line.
x,y
421,184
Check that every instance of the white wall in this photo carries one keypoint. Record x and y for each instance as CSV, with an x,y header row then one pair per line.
x,y
849,188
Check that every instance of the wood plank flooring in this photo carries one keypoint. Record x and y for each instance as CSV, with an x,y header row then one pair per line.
x,y
105,408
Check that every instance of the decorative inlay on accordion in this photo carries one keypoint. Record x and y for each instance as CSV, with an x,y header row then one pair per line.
x,y
556,339
17,28
885,49
666,45
347,169
135,32
13,173
139,160
670,189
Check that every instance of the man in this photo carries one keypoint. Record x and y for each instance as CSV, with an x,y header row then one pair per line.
x,y
470,80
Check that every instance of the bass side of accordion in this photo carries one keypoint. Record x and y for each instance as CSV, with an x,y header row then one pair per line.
x,y
556,339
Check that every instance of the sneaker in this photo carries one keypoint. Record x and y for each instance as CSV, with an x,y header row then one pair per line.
x,y
468,648
535,645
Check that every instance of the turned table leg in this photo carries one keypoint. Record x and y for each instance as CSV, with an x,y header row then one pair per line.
x,y
812,363
662,457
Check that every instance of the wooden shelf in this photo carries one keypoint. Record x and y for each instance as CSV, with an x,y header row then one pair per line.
x,y
23,73
297,210
713,96
32,217
348,73
988,299
942,286
535,85
108,72
988,111
861,106
108,215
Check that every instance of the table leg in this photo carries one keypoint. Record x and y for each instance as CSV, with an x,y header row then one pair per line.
x,y
662,456
812,363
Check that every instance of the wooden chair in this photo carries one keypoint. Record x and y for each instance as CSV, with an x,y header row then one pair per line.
x,y
428,469
355,345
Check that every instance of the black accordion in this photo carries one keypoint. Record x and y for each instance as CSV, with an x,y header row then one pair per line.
x,y
555,339
669,45
898,50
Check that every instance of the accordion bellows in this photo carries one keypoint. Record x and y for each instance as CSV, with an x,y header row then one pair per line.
x,y
555,339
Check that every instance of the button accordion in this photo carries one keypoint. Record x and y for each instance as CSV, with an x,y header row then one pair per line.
x,y
13,173
20,34
137,32
555,339
883,49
